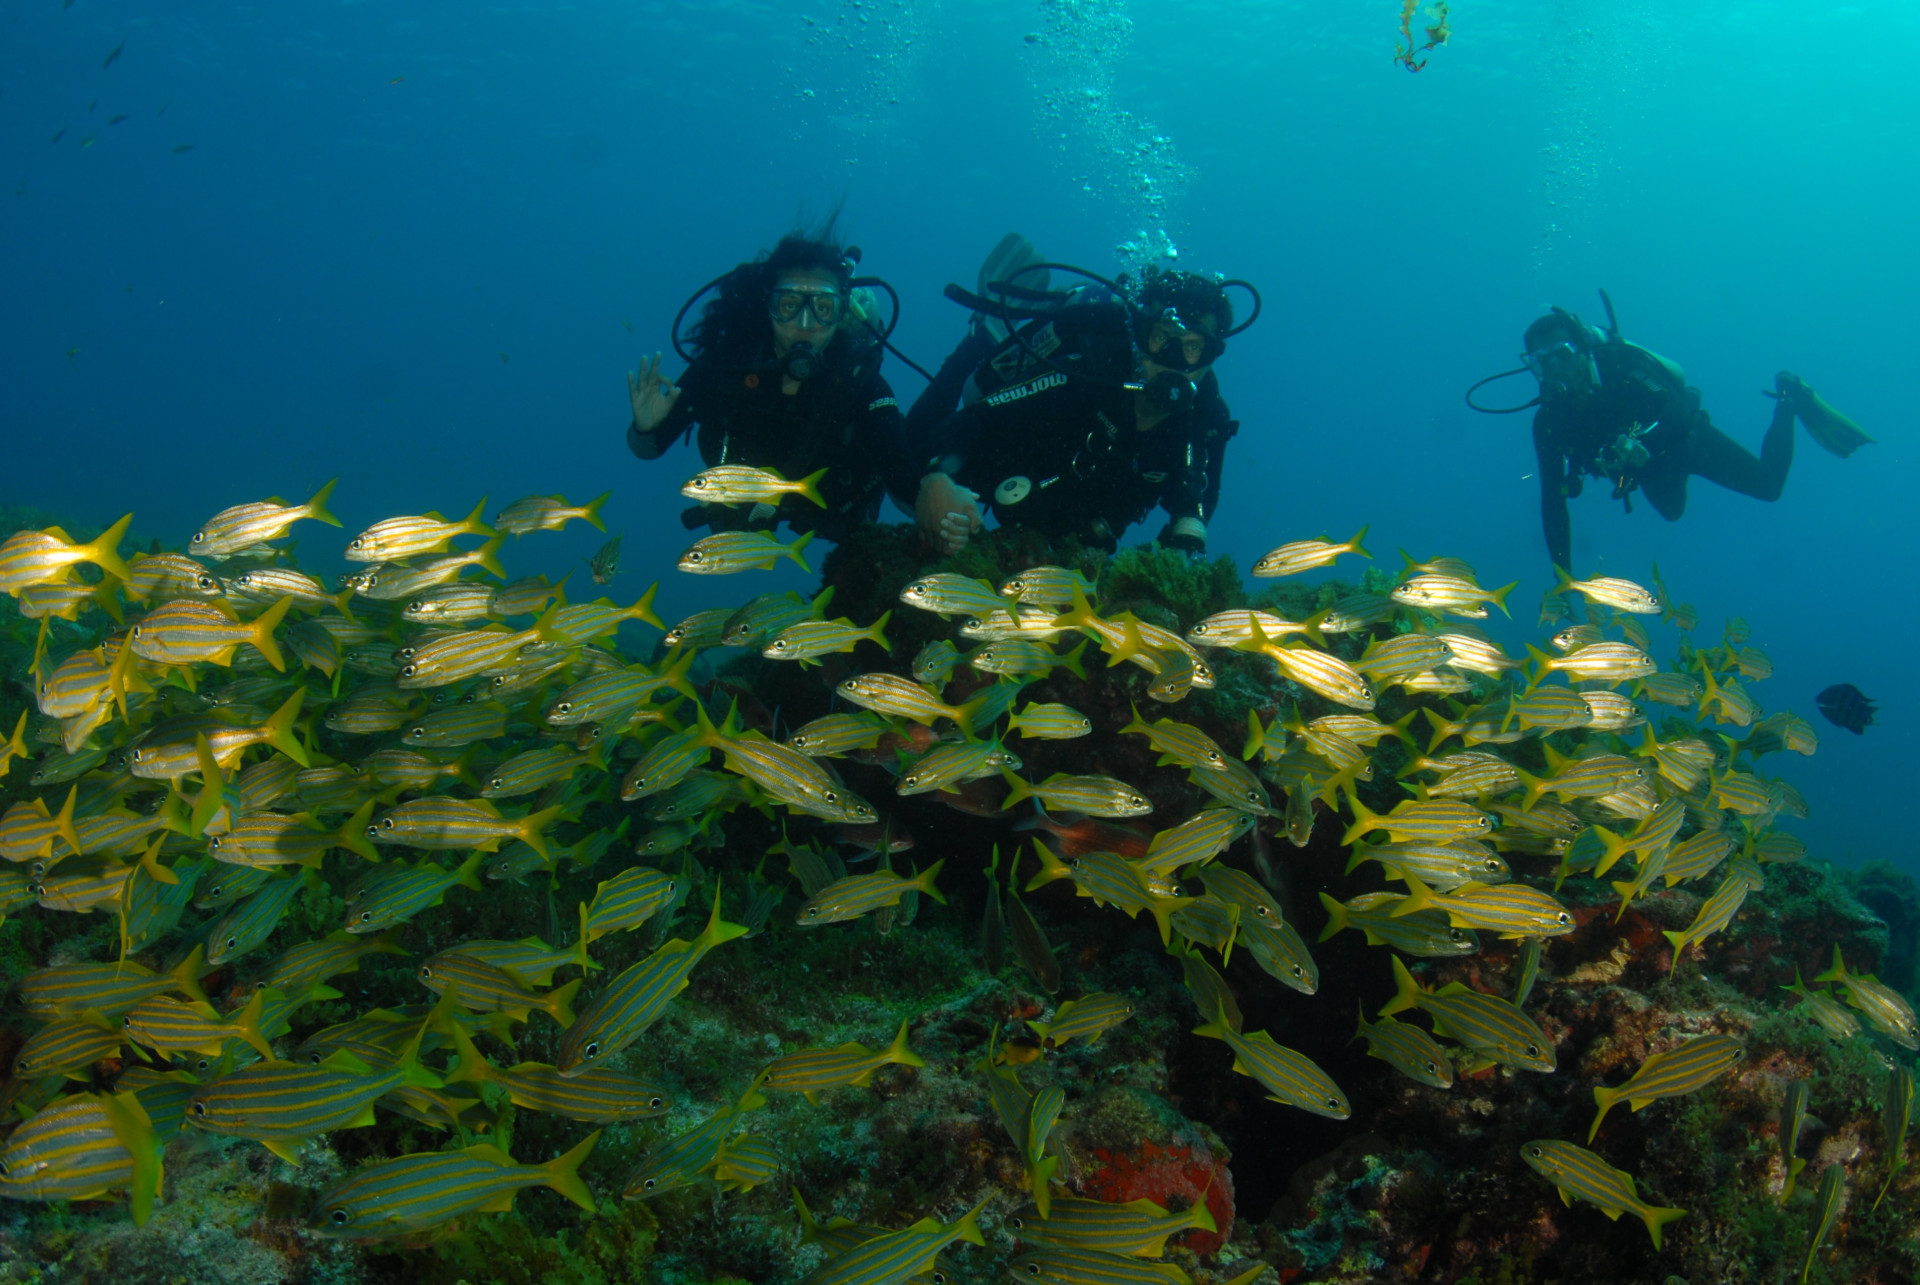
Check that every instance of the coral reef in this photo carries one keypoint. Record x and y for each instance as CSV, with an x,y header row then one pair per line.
x,y
1417,1183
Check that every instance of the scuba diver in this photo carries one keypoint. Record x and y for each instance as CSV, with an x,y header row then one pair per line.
x,y
783,373
1080,410
1614,410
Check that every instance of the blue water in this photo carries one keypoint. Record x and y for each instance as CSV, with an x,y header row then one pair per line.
x,y
409,241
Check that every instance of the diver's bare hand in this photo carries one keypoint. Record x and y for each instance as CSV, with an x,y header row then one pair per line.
x,y
653,395
947,513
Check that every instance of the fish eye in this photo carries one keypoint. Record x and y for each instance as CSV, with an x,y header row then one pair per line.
x,y
592,1050
1334,1103
426,973
1432,1069
1535,1152
199,537
136,631
1033,1269
338,1216
386,823
695,556
497,783
648,1184
564,707
366,916
408,672
1456,934
779,644
1563,917
417,734
200,1109
1533,1050
1297,972
1493,863
811,911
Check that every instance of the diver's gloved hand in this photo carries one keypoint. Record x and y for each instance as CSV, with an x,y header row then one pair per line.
x,y
947,514
1189,535
653,395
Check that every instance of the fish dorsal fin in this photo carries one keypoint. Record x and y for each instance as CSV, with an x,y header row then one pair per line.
x,y
491,1154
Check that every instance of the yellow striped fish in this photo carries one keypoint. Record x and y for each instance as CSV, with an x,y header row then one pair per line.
x,y
1138,1227
84,1147
733,551
1833,1185
283,1104
857,895
1575,1171
66,1046
898,1254
1305,555
637,998
1674,1073
1086,1018
815,1070
1290,1078
483,987
1407,1049
46,557
1715,914
423,1190
1487,1024
188,632
1513,910
443,823
1436,821
1885,1007
242,525
591,1097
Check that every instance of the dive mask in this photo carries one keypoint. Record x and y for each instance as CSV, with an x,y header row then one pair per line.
x,y
827,307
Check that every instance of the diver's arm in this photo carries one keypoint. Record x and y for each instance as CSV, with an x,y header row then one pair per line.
x,y
1555,523
945,509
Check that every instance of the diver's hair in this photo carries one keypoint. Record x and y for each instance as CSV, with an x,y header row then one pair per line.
x,y
1191,294
734,328
1557,324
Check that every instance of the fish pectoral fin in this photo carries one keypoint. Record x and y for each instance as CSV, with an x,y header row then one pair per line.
x,y
501,1204
364,1120
1566,1197
287,1149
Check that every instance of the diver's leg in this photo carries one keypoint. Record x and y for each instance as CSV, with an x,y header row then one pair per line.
x,y
1725,462
1666,491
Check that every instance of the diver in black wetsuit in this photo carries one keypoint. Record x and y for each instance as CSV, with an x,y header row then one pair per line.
x,y
1614,410
784,373
1102,406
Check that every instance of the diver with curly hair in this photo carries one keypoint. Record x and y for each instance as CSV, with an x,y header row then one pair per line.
x,y
783,372
1614,410
1080,410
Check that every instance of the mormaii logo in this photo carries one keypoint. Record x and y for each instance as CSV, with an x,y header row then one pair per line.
x,y
1027,389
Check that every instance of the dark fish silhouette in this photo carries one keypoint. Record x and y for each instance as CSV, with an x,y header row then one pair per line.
x,y
113,56
1846,706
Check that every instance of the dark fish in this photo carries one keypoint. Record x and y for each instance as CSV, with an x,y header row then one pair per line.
x,y
606,563
183,147
112,58
1847,706
1030,945
115,120
993,925
59,133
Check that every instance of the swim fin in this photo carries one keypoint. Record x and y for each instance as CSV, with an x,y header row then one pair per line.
x,y
1004,263
1827,426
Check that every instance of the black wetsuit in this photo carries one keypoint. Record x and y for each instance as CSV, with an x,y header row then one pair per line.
x,y
844,420
1088,470
1575,438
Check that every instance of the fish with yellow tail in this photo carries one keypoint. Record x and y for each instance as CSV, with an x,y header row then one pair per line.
x,y
1885,1007
1674,1073
30,558
813,1071
1575,1171
417,1192
1305,555
85,1147
244,525
395,538
744,484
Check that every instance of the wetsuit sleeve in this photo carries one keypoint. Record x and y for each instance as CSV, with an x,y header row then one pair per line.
x,y
955,448
884,438
1555,523
943,394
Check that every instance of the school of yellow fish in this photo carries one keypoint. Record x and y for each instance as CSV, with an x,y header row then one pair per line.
x,y
178,763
